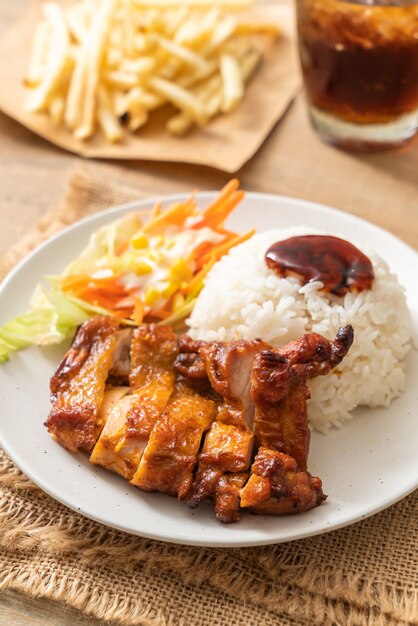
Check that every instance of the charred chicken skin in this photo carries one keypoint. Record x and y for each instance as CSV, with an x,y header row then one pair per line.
x,y
280,393
195,419
78,385
277,486
273,393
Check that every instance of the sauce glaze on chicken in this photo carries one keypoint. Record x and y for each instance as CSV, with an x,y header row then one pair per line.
x,y
195,419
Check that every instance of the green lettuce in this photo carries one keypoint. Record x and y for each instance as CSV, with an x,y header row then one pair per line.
x,y
51,319
103,245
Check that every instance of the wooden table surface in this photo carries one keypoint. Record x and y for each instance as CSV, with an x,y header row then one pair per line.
x,y
382,188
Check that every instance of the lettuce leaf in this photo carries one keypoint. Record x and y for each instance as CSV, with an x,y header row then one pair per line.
x,y
103,244
51,319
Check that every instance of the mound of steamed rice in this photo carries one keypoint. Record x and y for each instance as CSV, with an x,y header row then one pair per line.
x,y
243,299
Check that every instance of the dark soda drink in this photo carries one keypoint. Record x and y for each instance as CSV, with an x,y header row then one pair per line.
x,y
360,67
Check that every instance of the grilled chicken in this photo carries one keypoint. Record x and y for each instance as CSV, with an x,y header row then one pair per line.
x,y
312,355
229,443
110,450
227,497
154,350
78,386
280,392
227,448
277,486
193,411
228,367
189,363
125,436
121,359
111,398
281,414
170,457
281,428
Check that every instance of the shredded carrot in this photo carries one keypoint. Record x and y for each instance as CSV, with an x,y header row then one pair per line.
x,y
106,292
198,253
201,249
198,278
123,314
156,210
223,248
126,302
223,231
218,216
83,281
224,194
175,215
121,248
138,314
74,283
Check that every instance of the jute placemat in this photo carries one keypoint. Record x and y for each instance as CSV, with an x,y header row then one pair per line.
x,y
366,574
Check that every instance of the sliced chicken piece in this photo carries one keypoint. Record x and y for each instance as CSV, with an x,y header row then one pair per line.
x,y
227,497
229,368
125,436
111,397
278,481
78,385
312,355
280,392
281,423
277,486
170,457
229,443
153,352
226,448
189,362
121,359
112,451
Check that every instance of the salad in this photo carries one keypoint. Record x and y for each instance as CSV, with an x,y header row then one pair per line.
x,y
144,267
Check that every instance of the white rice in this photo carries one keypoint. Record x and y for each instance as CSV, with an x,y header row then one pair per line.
x,y
242,298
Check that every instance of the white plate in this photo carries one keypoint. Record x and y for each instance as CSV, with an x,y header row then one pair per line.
x,y
368,465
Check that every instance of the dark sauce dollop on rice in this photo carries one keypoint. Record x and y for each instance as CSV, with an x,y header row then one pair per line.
x,y
339,265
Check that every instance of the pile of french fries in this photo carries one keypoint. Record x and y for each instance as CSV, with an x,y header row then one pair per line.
x,y
109,64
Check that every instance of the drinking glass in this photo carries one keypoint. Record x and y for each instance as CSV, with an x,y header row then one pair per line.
x,y
360,66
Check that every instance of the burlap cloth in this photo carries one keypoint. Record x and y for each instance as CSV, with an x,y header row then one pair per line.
x,y
366,574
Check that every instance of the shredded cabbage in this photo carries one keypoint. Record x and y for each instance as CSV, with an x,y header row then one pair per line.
x,y
51,319
103,245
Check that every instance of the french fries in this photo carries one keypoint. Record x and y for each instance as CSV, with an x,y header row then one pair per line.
x,y
106,117
38,55
57,63
107,65
232,82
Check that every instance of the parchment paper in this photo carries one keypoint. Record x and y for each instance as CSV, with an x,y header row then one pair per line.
x,y
226,143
